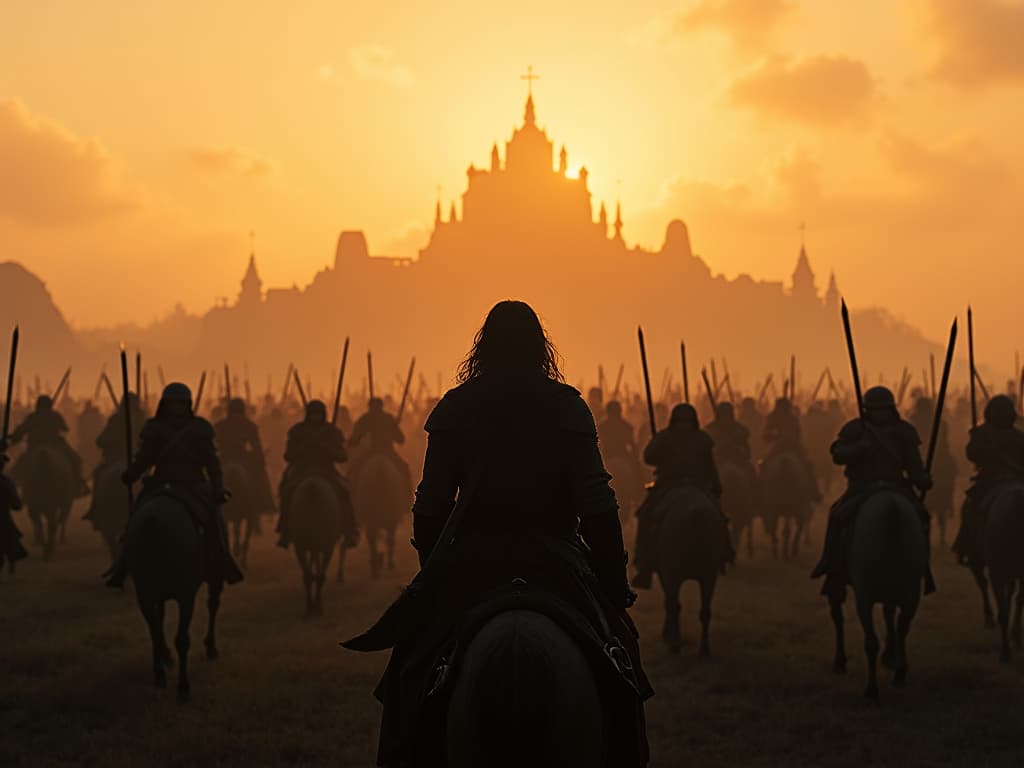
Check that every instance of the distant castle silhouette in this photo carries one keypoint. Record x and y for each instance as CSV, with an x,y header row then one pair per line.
x,y
526,229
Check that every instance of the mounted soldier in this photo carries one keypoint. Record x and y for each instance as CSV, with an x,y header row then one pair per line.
x,y
111,445
616,434
381,432
682,455
315,446
996,448
880,451
45,426
11,550
519,540
179,448
731,440
782,435
238,440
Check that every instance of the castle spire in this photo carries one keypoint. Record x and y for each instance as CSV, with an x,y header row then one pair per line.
x,y
437,208
452,217
804,286
530,117
563,161
618,220
495,158
602,220
252,285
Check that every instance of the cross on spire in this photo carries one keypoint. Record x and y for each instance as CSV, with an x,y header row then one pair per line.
x,y
252,242
529,77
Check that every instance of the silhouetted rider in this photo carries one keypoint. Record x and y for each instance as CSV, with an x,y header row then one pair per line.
x,y
238,439
11,550
616,434
381,432
46,426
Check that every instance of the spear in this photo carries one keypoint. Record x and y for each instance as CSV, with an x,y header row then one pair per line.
x,y
618,381
764,387
904,383
10,386
727,381
405,394
710,391
287,382
138,373
199,392
126,404
160,374
647,380
99,383
792,378
932,360
60,387
714,374
298,384
110,390
940,400
686,373
145,389
853,360
817,387
341,379
369,371
227,383
970,362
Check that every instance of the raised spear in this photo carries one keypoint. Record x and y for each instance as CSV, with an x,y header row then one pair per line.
x,y
99,383
10,389
647,380
138,373
126,405
848,331
369,371
932,360
60,386
341,380
110,390
710,391
792,378
940,400
970,362
618,381
405,393
686,373
227,383
199,392
298,385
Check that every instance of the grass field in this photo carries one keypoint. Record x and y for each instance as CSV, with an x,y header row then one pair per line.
x,y
75,675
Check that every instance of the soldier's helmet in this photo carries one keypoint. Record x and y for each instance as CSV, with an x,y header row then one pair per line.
x,y
176,396
316,411
376,405
613,409
684,413
724,411
1000,412
44,403
783,405
879,399
236,405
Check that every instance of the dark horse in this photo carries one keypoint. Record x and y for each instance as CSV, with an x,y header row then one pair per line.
x,y
49,489
165,554
109,512
887,555
1004,555
524,695
689,548
738,497
786,493
240,514
381,497
315,531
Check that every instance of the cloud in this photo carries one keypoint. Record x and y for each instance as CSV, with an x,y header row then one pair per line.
x,y
377,63
980,41
961,172
51,177
236,161
748,22
821,89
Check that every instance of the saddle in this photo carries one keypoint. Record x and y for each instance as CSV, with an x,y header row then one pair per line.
x,y
199,509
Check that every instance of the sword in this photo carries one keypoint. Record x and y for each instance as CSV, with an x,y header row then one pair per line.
x,y
647,380
405,394
10,388
941,399
341,379
126,404
853,360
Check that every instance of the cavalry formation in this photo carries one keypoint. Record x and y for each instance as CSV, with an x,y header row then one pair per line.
x,y
177,498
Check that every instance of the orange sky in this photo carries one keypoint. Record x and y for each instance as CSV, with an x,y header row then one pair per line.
x,y
140,144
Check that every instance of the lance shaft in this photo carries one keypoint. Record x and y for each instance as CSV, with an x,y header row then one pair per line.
x,y
970,362
227,383
941,399
405,393
126,405
647,380
341,380
60,386
686,373
199,392
707,386
369,371
110,390
853,360
298,384
10,389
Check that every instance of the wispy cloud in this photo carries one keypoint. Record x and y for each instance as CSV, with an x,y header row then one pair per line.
x,y
377,63
232,160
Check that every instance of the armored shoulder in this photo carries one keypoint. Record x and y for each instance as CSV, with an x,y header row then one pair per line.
x,y
851,431
908,432
152,430
703,440
201,428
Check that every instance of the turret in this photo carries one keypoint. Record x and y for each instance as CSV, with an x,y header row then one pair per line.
x,y
563,161
495,159
618,221
602,220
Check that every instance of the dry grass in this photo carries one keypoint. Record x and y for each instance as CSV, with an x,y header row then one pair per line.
x,y
75,680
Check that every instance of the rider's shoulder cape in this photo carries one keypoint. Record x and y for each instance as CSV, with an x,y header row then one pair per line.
x,y
460,408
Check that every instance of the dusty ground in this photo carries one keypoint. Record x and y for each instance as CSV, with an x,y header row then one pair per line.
x,y
75,676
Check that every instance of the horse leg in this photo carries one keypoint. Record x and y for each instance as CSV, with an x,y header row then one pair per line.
x,y
889,655
707,594
867,622
342,545
186,606
214,591
153,612
1018,631
982,581
670,632
902,630
835,606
